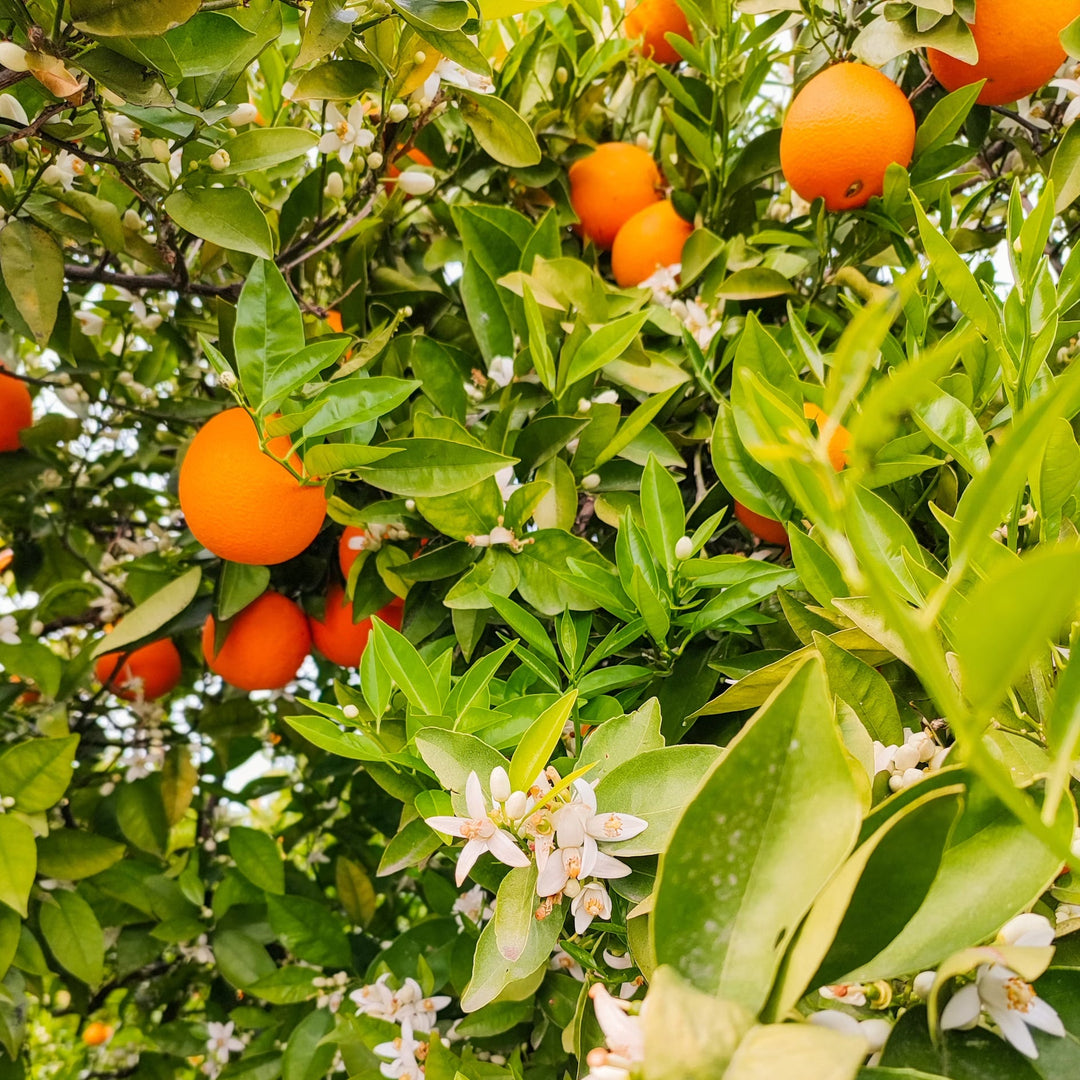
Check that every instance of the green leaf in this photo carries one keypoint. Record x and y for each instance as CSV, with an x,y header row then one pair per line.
x,y
228,217
863,689
355,890
308,930
754,283
130,18
33,269
950,425
605,344
307,1057
399,658
498,128
72,854
536,746
241,959
36,773
18,862
945,119
286,986
1065,170
689,1035
808,1051
622,739
516,911
452,755
412,844
330,459
238,585
258,858
780,807
657,785
269,330
74,935
285,375
140,813
325,734
329,24
988,844
496,978
424,468
662,509
152,614
1008,619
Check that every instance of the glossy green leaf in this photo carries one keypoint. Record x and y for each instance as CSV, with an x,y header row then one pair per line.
x,y
18,862
152,614
258,858
33,269
74,935
228,217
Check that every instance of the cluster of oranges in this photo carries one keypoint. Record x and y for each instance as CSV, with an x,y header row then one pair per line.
x,y
850,122
247,508
617,194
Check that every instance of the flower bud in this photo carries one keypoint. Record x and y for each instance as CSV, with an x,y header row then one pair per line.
x,y
227,380
561,76
572,887
500,784
923,983
418,57
242,114
397,112
335,186
684,547
410,505
219,160
13,57
350,712
516,805
416,182
132,221
591,482
160,149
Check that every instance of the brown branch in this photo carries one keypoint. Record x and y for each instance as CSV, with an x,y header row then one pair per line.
x,y
149,281
35,125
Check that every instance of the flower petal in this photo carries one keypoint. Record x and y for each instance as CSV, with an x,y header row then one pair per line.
x,y
552,878
329,143
963,1009
615,827
607,867
474,797
448,826
502,846
1043,1015
467,859
1014,1030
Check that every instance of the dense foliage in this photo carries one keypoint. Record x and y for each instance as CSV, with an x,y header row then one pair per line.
x,y
743,779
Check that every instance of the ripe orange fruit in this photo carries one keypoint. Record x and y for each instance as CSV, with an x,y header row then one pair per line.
x,y
266,644
767,529
340,639
241,504
1019,49
610,186
16,411
96,1033
846,126
349,547
150,672
647,24
841,437
652,238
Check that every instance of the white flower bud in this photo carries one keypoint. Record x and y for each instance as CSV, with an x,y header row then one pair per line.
x,y
572,888
219,160
516,805
561,76
335,186
7,178
906,757
911,776
375,160
397,112
584,405
500,784
684,547
923,983
37,628
418,57
161,151
242,114
227,380
350,712
132,221
13,57
410,505
591,482
876,1032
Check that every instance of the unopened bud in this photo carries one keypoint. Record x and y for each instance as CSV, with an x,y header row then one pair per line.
x,y
410,505
500,784
375,160
561,76
516,805
397,112
219,160
418,57
684,547
132,221
416,182
591,482
243,114
350,712
227,380
335,186
160,149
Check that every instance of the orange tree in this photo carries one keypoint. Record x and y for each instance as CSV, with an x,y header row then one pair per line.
x,y
538,541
